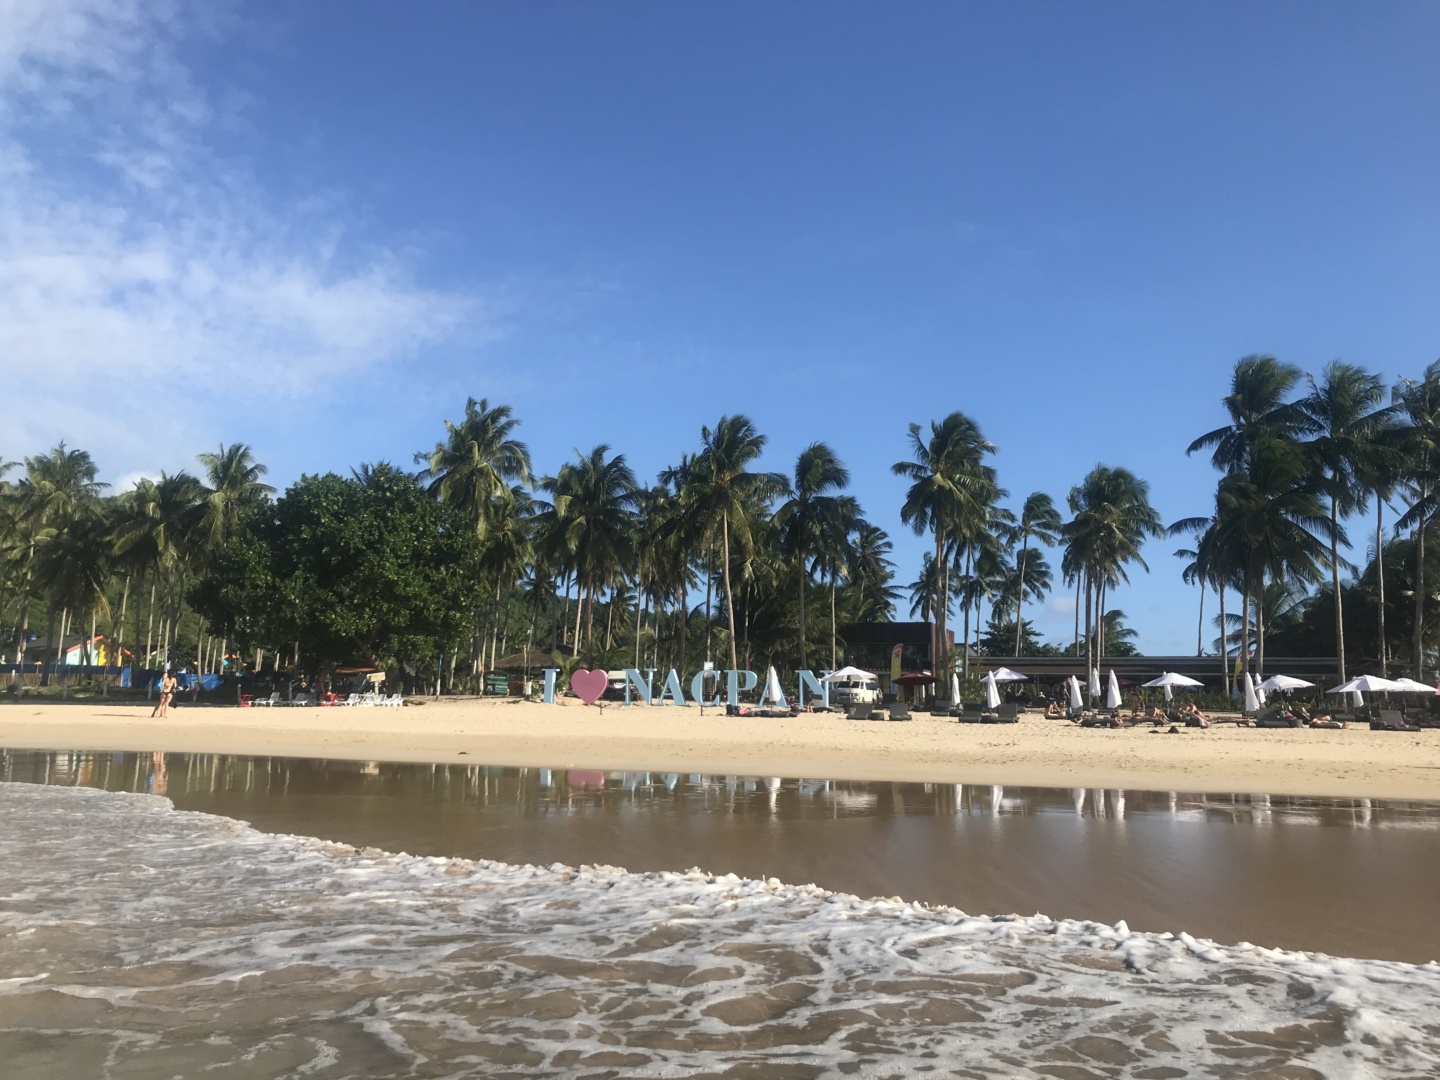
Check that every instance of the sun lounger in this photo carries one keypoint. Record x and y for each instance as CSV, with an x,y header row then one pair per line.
x,y
970,712
860,712
270,702
900,711
1391,720
1275,717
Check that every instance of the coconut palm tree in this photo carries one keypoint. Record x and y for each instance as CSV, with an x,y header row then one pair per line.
x,y
1113,517
477,462
1256,404
1419,443
811,516
235,489
163,524
725,495
1346,412
1272,513
869,573
1380,470
1038,521
951,491
590,515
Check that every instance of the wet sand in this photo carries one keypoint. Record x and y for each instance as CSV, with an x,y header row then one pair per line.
x,y
1355,762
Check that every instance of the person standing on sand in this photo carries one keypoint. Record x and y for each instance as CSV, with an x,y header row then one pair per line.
x,y
168,686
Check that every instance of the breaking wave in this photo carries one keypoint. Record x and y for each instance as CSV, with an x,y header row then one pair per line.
x,y
136,939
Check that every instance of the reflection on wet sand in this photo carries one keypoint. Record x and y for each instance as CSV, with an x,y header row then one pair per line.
x,y
1336,875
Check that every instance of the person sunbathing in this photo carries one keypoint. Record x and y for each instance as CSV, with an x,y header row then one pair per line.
x,y
1193,717
1320,721
1055,711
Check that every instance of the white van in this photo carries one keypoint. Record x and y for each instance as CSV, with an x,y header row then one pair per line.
x,y
855,692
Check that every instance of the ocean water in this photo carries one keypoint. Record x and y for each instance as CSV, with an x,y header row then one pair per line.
x,y
139,940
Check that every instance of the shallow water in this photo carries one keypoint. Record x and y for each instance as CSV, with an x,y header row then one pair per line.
x,y
141,941
1347,877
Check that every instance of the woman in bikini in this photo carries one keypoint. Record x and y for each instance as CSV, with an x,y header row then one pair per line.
x,y
168,686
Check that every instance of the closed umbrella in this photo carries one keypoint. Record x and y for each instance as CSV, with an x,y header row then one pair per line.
x,y
992,692
772,692
1073,685
1112,692
954,688
1094,686
1252,703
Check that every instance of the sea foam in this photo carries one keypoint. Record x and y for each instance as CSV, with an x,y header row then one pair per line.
x,y
138,939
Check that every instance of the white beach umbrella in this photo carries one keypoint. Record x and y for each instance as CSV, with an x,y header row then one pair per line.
x,y
1112,692
992,692
772,692
1411,686
1072,684
1094,686
954,688
1252,703
1366,683
1172,679
847,673
1005,674
1286,682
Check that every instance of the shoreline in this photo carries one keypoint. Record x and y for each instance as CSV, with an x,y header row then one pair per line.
x,y
1352,763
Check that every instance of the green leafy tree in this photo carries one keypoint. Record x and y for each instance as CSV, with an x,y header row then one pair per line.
x,y
812,518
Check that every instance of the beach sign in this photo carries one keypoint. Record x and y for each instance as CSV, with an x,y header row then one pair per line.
x,y
588,685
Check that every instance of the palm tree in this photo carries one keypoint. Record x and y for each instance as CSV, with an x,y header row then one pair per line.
x,y
1272,513
870,572
477,462
1345,411
1256,404
1038,520
1113,516
591,517
1420,446
57,488
811,516
1380,470
163,524
951,488
725,495
235,489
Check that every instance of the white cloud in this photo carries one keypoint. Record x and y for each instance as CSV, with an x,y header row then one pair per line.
x,y
142,273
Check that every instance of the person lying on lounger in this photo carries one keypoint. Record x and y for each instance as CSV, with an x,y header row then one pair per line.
x,y
1322,721
1193,717
1055,711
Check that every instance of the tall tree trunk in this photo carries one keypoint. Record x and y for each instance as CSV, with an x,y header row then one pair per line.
x,y
150,627
1260,631
965,651
709,590
610,622
1380,578
639,615
1079,578
1245,602
1418,657
800,575
24,612
1100,620
60,651
834,630
729,596
1089,633
1020,593
938,660
1335,579
1200,630
684,620
579,609
1224,645
118,643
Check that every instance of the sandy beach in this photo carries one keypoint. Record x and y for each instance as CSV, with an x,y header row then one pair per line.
x,y
1034,752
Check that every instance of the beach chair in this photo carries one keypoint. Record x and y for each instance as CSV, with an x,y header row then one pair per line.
x,y
1276,717
900,711
1008,713
270,702
303,699
860,712
1390,720
971,712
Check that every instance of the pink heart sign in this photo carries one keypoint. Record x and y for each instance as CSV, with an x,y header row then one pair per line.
x,y
589,685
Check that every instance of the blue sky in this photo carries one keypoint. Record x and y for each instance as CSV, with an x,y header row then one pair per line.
x,y
317,228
